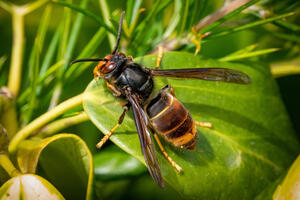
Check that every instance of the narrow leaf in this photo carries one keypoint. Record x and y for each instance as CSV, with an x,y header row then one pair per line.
x,y
247,26
249,54
87,13
228,16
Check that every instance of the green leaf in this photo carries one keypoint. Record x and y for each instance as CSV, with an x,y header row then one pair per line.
x,y
112,163
174,21
65,160
27,187
132,9
247,52
251,142
2,61
75,70
87,13
228,16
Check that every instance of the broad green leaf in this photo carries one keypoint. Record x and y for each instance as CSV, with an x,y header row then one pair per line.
x,y
267,193
112,163
65,160
251,142
286,187
27,187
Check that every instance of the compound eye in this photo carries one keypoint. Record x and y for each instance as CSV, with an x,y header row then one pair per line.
x,y
108,68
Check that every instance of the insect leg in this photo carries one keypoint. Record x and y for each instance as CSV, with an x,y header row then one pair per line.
x,y
204,124
105,138
115,91
172,162
159,56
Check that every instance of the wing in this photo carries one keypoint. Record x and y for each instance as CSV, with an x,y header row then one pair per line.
x,y
140,120
210,74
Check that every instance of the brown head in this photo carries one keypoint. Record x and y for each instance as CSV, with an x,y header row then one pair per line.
x,y
110,64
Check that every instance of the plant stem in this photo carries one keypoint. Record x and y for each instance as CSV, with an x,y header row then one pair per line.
x,y
285,69
55,96
105,13
8,116
14,78
42,120
18,13
7,165
58,125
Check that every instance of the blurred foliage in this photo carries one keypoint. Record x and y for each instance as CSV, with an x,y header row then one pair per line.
x,y
57,32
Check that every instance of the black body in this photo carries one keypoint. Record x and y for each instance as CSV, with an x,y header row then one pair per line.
x,y
136,78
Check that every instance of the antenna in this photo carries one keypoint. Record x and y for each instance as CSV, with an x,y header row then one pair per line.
x,y
119,33
88,60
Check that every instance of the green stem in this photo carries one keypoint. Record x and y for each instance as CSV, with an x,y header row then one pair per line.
x,y
7,165
8,116
35,5
60,124
18,13
284,70
42,120
105,13
14,78
56,95
6,6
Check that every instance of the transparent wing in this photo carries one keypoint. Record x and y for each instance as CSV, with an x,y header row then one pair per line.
x,y
145,140
210,74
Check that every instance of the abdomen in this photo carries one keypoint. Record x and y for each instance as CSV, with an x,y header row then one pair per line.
x,y
172,120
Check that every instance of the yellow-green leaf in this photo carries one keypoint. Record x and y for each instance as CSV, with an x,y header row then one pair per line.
x,y
289,189
29,187
65,160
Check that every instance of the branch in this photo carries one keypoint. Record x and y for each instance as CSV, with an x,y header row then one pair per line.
x,y
42,120
60,124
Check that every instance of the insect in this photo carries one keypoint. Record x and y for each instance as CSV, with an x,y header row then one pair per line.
x,y
163,114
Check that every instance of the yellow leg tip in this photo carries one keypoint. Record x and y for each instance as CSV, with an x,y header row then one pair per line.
x,y
204,124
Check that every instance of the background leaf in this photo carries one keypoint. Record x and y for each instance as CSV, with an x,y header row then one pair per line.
x,y
112,163
250,144
64,160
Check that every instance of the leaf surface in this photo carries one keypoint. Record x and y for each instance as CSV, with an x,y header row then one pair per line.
x,y
251,142
113,164
27,187
65,161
